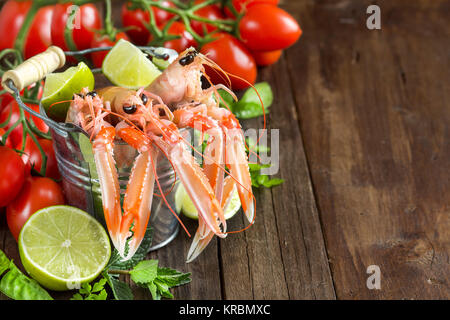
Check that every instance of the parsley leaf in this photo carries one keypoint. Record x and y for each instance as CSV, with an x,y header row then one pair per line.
x,y
261,180
89,292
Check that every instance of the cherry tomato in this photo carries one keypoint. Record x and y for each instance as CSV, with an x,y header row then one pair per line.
x,y
259,35
135,20
32,157
233,57
12,16
12,175
211,12
85,23
8,142
241,5
186,41
266,58
37,193
104,41
17,133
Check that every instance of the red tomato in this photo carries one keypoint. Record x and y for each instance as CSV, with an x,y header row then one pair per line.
x,y
17,133
186,41
259,35
85,23
135,20
12,16
241,5
37,193
233,57
211,12
12,175
266,58
8,142
32,157
104,41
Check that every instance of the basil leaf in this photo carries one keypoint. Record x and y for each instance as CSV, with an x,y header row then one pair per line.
x,y
225,97
250,104
4,262
17,286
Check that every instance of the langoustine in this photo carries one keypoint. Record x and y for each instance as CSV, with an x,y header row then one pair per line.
x,y
144,120
182,87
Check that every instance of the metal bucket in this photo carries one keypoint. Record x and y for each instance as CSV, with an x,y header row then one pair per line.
x,y
73,151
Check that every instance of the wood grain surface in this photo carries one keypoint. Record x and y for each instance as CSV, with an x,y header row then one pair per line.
x,y
363,118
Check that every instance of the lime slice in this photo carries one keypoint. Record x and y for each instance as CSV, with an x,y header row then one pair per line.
x,y
61,87
127,66
183,203
63,247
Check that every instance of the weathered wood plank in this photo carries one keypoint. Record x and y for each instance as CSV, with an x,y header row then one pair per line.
x,y
283,255
374,117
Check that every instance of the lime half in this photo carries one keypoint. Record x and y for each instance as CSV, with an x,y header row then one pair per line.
x,y
63,247
183,203
61,87
127,66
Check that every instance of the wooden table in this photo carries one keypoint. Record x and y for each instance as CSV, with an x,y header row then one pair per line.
x,y
364,148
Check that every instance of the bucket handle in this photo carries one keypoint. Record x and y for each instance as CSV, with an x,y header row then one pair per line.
x,y
34,69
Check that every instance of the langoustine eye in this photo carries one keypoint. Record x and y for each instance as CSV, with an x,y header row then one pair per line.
x,y
188,59
144,99
130,109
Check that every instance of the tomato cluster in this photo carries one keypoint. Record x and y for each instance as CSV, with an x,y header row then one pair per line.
x,y
22,190
264,31
258,31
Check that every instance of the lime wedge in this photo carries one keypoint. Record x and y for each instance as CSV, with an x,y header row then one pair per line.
x,y
61,87
127,66
63,247
183,203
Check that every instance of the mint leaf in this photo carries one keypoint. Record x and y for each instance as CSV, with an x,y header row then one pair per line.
x,y
172,277
120,289
154,291
144,272
163,289
157,280
115,260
